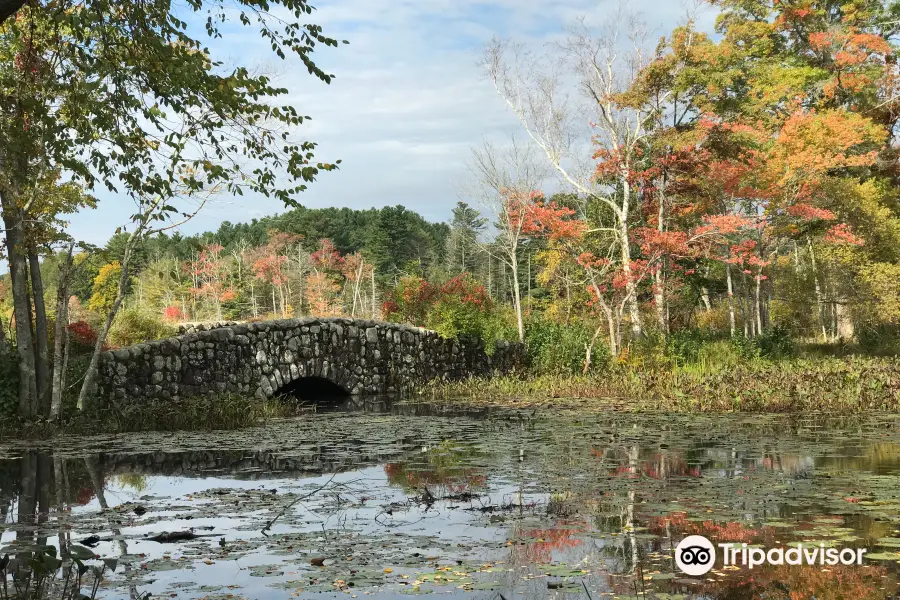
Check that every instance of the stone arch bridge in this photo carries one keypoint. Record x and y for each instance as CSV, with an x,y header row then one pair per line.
x,y
351,357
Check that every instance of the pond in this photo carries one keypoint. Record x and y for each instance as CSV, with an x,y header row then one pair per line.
x,y
389,500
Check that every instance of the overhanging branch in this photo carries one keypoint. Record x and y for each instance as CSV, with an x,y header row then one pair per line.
x,y
9,7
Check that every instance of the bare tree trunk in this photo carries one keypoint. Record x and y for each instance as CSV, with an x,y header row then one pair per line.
x,y
18,275
759,327
66,348
529,282
611,323
659,290
844,322
41,334
704,298
659,301
91,374
517,298
60,332
820,310
745,312
730,298
749,320
374,297
589,350
637,328
490,278
356,282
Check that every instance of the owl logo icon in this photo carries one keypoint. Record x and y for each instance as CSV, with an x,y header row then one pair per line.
x,y
695,555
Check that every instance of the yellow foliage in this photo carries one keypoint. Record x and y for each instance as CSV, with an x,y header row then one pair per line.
x,y
879,293
106,287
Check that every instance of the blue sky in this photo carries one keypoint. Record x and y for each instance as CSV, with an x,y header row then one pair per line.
x,y
407,104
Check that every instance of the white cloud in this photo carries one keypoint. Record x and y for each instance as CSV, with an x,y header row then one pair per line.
x,y
407,103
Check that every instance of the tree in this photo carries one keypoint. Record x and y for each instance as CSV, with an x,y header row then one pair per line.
x,y
106,287
791,105
506,182
533,89
209,272
357,272
135,77
152,217
462,244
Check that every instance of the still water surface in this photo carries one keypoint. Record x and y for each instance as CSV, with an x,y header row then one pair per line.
x,y
397,500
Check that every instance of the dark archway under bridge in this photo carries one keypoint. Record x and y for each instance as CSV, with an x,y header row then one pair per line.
x,y
314,389
265,359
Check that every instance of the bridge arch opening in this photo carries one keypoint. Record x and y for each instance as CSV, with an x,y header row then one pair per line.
x,y
316,390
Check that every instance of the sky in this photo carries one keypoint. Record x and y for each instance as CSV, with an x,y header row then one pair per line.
x,y
407,104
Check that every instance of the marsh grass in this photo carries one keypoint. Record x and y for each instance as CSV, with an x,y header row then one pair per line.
x,y
710,384
225,411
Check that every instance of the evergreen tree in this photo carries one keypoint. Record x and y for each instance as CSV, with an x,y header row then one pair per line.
x,y
462,243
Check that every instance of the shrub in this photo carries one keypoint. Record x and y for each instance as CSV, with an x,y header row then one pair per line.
x,y
134,326
883,340
650,353
410,301
82,336
105,288
775,343
458,307
173,314
686,345
556,348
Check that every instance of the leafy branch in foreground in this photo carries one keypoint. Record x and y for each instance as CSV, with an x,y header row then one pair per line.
x,y
128,96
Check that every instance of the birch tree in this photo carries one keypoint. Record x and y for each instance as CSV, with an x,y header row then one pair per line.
x,y
505,181
601,64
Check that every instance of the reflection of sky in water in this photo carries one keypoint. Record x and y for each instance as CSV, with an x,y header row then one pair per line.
x,y
578,494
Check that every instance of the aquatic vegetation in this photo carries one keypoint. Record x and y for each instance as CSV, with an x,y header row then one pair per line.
x,y
553,504
221,411
834,385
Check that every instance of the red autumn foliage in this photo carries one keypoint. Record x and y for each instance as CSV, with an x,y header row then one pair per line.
x,y
807,212
414,298
269,269
842,235
82,334
173,313
327,257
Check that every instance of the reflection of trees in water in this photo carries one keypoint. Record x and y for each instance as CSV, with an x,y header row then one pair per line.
x,y
536,546
878,457
804,582
445,467
44,493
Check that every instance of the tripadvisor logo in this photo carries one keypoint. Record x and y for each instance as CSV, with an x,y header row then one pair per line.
x,y
696,555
